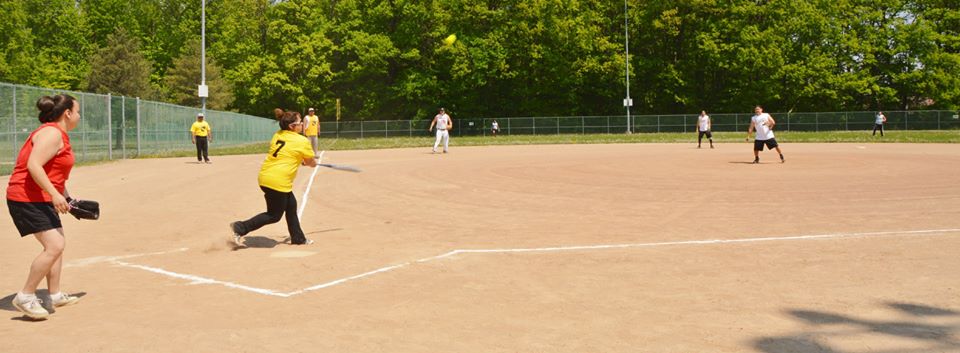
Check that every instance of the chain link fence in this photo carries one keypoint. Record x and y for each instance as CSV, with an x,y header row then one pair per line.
x,y
117,127
829,121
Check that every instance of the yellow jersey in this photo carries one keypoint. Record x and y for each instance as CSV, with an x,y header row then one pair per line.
x,y
200,128
287,150
313,125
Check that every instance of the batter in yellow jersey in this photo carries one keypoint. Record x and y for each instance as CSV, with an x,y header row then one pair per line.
x,y
287,151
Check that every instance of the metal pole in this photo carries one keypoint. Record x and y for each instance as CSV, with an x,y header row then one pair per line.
x,y
123,126
558,126
203,52
138,126
626,60
534,125
15,147
109,128
83,131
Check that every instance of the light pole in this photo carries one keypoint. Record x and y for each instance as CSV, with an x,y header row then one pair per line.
x,y
627,102
202,90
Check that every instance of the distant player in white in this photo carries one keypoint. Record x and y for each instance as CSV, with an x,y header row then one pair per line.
x,y
444,123
763,123
703,126
495,128
878,124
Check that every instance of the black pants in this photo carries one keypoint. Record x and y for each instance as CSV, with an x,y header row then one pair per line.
x,y
278,203
701,134
202,155
877,126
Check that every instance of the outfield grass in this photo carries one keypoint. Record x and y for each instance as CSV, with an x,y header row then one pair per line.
x,y
426,142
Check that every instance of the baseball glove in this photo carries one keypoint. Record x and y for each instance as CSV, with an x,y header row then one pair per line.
x,y
84,209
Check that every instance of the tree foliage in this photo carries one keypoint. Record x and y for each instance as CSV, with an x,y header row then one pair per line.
x,y
120,68
385,59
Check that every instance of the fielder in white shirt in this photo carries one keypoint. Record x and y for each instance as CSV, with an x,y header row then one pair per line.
x,y
444,123
763,123
703,126
878,124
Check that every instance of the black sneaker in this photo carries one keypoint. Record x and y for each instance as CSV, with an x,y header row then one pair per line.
x,y
756,161
782,160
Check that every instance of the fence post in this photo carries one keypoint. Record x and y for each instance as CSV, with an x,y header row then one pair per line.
x,y
138,127
83,131
846,121
534,120
109,128
658,124
558,125
906,121
361,128
816,121
123,126
938,119
14,139
508,125
608,124
788,121
583,130
385,128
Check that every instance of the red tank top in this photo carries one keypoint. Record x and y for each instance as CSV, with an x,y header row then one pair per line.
x,y
23,188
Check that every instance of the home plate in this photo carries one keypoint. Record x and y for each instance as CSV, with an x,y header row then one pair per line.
x,y
294,253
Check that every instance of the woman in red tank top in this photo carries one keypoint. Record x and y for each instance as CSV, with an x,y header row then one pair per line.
x,y
37,193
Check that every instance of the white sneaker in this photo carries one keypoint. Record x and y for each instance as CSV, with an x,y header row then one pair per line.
x,y
238,241
63,299
31,307
308,242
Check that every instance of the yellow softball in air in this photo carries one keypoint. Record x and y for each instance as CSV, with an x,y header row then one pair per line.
x,y
450,39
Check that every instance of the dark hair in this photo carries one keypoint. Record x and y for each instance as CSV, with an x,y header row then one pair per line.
x,y
51,108
286,118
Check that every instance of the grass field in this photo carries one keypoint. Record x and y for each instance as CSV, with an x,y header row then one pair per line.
x,y
721,137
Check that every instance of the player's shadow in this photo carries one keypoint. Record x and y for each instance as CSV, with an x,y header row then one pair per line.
x,y
825,327
262,242
7,303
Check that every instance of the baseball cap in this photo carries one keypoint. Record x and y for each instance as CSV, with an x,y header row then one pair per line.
x,y
310,110
199,115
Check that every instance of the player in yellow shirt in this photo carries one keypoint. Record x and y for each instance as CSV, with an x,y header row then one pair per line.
x,y
201,135
288,150
311,128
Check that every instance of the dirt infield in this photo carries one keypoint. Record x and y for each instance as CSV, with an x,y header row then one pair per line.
x,y
563,248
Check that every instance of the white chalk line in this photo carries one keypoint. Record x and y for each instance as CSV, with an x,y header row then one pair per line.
x,y
303,200
202,280
99,259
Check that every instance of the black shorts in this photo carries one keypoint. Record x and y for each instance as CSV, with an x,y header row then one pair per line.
x,y
705,133
33,217
758,144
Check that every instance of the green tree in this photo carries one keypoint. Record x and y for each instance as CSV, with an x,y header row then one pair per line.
x,y
119,68
183,78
